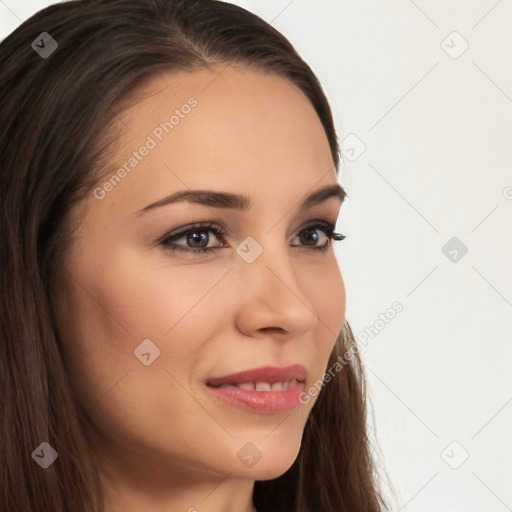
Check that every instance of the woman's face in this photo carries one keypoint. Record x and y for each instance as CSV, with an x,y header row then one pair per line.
x,y
145,328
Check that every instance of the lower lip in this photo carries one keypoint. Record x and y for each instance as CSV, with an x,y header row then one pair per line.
x,y
262,402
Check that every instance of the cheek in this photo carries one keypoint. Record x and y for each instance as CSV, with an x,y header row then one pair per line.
x,y
150,301
109,310
327,292
106,314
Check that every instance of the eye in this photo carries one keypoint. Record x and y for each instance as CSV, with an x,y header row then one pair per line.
x,y
195,239
311,238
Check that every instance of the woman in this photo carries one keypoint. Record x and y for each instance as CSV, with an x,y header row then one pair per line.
x,y
173,315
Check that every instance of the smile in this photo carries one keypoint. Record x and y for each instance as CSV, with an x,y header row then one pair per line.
x,y
267,390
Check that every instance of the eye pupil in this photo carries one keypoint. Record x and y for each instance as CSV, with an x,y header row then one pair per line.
x,y
309,237
198,237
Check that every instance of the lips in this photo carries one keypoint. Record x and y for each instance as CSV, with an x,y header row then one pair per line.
x,y
265,375
267,390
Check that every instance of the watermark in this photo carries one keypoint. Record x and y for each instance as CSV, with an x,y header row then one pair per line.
x,y
384,319
44,45
454,249
249,454
174,119
454,45
146,352
342,360
249,249
45,455
352,147
157,135
455,455
507,193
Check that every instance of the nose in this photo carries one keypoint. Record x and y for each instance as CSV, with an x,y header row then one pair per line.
x,y
271,298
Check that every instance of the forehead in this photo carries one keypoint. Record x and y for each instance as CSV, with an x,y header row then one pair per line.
x,y
225,129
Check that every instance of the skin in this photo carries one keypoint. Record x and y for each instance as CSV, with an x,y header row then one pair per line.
x,y
160,440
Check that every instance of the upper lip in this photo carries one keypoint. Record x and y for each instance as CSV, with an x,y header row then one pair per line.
x,y
270,374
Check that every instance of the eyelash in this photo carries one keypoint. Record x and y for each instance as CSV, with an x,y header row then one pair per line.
x,y
167,240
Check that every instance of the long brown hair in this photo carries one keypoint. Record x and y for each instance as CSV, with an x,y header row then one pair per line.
x,y
54,109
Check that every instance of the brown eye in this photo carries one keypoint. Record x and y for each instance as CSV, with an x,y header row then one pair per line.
x,y
309,236
317,236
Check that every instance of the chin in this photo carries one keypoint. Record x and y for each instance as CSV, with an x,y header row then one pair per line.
x,y
270,461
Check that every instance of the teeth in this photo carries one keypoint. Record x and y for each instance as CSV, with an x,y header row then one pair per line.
x,y
246,385
263,386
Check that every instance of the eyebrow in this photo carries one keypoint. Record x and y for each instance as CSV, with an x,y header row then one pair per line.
x,y
238,201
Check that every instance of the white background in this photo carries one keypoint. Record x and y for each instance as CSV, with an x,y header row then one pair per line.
x,y
437,131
